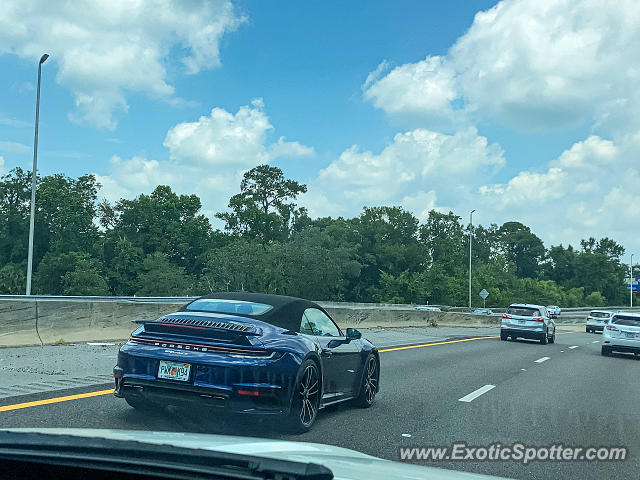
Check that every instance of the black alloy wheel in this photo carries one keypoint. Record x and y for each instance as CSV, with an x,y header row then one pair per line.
x,y
306,398
370,379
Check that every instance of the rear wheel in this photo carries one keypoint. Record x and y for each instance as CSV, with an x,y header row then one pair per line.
x,y
369,387
306,398
605,351
544,339
552,338
588,330
503,335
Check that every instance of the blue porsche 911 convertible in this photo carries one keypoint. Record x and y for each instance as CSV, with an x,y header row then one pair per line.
x,y
248,353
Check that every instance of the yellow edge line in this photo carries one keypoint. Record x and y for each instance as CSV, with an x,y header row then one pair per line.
x,y
435,343
48,401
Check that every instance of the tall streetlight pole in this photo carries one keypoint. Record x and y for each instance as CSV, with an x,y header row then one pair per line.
x,y
470,237
631,282
33,179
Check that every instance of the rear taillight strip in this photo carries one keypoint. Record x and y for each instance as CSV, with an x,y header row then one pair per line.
x,y
197,347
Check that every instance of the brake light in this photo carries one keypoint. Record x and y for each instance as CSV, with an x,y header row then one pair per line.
x,y
589,319
538,319
612,327
252,393
507,316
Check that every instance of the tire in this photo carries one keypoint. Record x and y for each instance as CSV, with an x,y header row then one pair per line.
x,y
513,338
369,385
544,339
503,335
306,398
552,339
588,330
605,351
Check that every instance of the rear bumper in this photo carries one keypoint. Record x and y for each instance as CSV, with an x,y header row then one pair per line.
x,y
216,381
522,333
595,327
621,345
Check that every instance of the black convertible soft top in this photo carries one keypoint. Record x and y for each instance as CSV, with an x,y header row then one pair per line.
x,y
286,312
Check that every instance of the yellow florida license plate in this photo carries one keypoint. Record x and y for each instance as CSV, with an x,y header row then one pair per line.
x,y
174,371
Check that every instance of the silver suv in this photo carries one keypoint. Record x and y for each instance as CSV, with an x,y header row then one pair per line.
x,y
622,334
528,321
597,320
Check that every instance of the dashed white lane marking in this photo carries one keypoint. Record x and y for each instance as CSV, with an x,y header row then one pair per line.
x,y
540,360
572,347
476,393
596,341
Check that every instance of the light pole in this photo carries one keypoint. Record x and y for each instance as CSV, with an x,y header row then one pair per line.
x,y
33,179
470,237
631,282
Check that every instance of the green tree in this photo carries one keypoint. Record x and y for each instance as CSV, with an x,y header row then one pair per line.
x,y
265,209
522,247
162,222
13,278
72,273
161,278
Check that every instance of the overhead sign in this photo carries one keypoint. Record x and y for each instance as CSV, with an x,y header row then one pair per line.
x,y
633,283
484,294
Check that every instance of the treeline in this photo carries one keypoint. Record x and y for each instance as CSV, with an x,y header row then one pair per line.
x,y
162,245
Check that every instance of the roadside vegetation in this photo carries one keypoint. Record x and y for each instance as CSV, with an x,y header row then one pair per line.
x,y
162,245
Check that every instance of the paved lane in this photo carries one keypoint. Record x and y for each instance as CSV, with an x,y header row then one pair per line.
x,y
574,397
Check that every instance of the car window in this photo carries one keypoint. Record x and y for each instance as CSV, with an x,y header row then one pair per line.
x,y
626,320
523,311
228,306
321,324
599,314
305,327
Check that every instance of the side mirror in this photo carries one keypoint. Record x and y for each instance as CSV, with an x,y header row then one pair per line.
x,y
353,334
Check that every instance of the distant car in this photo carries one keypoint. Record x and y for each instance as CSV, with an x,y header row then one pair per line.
x,y
248,353
554,310
597,320
622,334
482,311
528,321
428,308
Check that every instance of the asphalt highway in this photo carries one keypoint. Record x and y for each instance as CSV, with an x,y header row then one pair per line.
x,y
478,391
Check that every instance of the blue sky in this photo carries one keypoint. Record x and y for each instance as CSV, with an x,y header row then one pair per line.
x,y
422,104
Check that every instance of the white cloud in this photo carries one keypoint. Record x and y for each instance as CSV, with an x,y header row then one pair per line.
x,y
589,190
290,149
1,166
224,138
415,90
206,157
14,147
411,169
530,65
107,48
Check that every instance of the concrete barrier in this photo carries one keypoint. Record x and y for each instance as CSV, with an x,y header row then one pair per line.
x,y
30,321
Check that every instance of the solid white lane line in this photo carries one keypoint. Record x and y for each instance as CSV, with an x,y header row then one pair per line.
x,y
596,341
476,393
540,360
575,346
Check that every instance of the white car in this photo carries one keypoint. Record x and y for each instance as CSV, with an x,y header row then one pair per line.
x,y
554,310
523,320
427,308
597,319
622,334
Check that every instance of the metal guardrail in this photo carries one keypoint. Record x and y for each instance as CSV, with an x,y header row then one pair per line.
x,y
134,299
61,298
